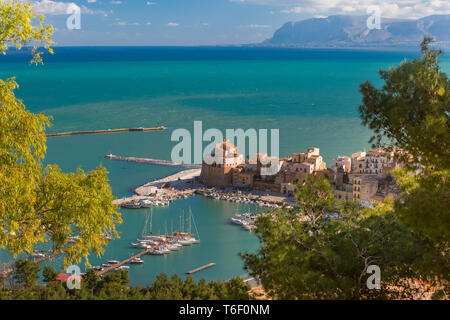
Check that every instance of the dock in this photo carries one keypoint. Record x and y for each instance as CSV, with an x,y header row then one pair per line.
x,y
209,265
6,273
105,131
126,261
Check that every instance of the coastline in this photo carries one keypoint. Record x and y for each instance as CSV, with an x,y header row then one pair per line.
x,y
185,183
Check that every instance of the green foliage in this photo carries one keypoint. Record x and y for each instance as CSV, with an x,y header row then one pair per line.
x,y
17,28
412,109
43,204
49,274
26,272
306,254
113,286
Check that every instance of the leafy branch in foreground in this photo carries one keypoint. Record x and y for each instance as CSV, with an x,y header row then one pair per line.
x,y
412,110
40,204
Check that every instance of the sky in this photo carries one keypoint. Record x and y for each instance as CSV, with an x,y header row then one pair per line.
x,y
205,22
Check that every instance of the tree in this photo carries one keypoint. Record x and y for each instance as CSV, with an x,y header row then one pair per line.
x,y
40,204
411,111
91,280
306,253
27,272
49,274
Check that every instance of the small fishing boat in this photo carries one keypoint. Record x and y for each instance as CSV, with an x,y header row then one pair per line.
x,y
113,262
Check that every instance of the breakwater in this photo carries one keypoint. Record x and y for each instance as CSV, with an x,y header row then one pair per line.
x,y
105,131
152,161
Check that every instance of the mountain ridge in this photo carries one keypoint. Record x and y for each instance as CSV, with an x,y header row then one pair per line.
x,y
352,31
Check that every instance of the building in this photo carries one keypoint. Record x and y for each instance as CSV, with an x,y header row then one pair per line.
x,y
343,162
358,162
217,168
364,188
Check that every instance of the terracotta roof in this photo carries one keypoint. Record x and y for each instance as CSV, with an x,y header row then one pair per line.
x,y
65,277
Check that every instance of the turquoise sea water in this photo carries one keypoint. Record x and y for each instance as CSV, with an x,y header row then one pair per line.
x,y
311,96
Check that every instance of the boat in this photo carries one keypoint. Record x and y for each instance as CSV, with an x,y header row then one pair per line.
x,y
194,241
236,221
132,205
106,265
38,255
153,238
123,268
113,262
249,226
141,245
172,246
156,252
146,203
137,261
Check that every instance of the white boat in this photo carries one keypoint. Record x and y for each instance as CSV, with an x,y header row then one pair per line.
x,y
123,268
137,261
184,242
249,226
236,221
132,205
145,203
154,238
172,247
156,252
113,262
141,245
147,241
193,240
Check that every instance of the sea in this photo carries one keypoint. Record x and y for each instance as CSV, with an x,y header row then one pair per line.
x,y
310,95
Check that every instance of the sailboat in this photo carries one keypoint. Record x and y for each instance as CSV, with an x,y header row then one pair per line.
x,y
186,238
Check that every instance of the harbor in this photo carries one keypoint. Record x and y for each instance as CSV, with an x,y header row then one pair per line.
x,y
186,183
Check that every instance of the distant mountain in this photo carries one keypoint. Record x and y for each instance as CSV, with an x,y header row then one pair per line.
x,y
350,31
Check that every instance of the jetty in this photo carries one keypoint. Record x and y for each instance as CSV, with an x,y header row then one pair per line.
x,y
6,273
152,161
71,133
209,265
121,263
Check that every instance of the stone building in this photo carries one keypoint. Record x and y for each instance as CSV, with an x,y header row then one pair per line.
x,y
217,168
343,162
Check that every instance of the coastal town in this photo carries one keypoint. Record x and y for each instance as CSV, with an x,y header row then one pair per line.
x,y
364,177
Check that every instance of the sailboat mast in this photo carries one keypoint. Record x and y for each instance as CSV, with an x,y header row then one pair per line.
x,y
151,219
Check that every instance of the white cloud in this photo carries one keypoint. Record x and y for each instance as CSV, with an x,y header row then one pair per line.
x,y
407,9
173,24
150,3
124,23
49,7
